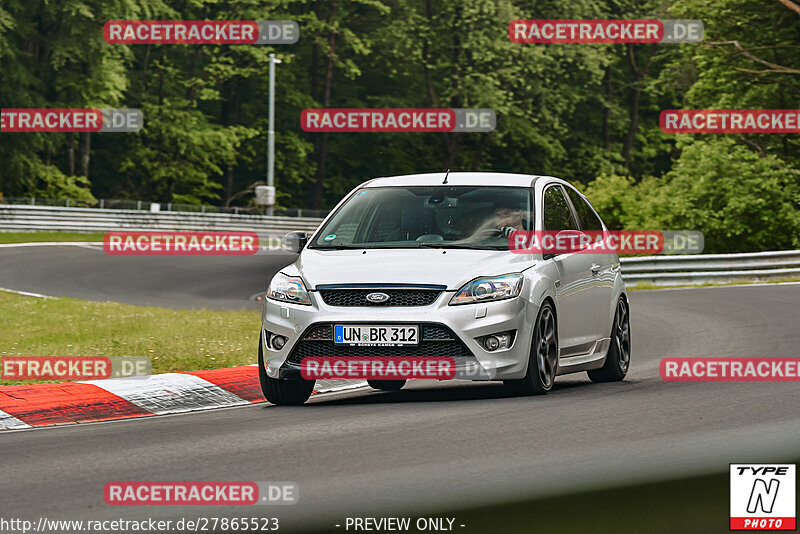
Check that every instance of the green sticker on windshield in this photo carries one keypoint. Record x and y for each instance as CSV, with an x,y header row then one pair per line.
x,y
330,237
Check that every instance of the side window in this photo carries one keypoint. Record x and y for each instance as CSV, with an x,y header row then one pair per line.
x,y
557,215
588,219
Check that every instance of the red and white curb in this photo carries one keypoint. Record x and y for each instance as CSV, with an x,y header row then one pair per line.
x,y
63,403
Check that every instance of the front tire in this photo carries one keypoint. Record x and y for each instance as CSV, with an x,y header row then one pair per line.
x,y
618,360
282,392
387,385
543,363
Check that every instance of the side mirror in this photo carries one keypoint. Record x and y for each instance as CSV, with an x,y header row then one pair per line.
x,y
568,241
294,241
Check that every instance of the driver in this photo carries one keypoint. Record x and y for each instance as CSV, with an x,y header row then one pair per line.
x,y
509,220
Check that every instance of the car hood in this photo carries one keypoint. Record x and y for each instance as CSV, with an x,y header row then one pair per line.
x,y
450,267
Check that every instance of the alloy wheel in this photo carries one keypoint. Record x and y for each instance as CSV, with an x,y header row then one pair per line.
x,y
546,348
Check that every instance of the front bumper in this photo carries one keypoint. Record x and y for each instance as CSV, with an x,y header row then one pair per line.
x,y
464,322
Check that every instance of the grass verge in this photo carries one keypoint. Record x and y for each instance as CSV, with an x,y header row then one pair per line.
x,y
175,340
647,285
45,237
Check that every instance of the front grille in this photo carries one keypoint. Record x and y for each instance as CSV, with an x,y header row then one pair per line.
x,y
320,333
435,341
397,297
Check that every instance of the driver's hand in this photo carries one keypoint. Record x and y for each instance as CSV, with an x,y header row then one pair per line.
x,y
506,230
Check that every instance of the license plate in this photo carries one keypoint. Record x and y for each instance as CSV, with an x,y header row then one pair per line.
x,y
376,335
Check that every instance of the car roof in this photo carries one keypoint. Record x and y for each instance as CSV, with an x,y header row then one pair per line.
x,y
457,178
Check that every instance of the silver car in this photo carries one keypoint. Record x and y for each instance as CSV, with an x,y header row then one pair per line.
x,y
428,256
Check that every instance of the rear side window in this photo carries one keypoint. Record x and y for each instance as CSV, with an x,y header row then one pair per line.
x,y
588,219
557,215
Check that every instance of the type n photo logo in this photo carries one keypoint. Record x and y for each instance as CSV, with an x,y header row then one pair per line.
x,y
763,497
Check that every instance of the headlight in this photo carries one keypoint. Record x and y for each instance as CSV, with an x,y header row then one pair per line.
x,y
498,288
288,289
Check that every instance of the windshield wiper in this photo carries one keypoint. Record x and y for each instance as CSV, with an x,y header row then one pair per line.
x,y
334,247
409,246
460,245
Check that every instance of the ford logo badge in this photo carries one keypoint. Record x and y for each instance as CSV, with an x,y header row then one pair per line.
x,y
377,298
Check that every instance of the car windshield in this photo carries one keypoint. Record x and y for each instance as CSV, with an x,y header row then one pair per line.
x,y
432,216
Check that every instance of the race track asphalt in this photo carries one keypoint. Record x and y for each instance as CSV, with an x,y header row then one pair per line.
x,y
430,447
87,272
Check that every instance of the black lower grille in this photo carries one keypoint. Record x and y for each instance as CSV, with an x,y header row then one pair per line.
x,y
435,341
397,297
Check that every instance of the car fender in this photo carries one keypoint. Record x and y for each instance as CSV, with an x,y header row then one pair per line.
x,y
540,284
619,290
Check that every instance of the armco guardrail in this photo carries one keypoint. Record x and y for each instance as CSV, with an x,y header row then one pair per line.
x,y
658,270
48,219
146,205
711,268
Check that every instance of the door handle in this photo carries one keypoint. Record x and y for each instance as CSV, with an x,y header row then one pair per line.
x,y
595,268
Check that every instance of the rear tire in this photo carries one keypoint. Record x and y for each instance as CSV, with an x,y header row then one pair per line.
x,y
543,362
282,392
618,360
387,385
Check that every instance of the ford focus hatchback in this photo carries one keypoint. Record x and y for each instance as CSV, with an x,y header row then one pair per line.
x,y
421,267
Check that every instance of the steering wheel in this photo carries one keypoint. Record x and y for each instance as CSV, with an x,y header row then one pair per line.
x,y
490,232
